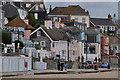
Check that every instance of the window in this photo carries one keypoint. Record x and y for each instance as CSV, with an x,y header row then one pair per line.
x,y
55,18
28,5
53,44
3,2
1,16
83,36
38,33
42,43
36,16
111,28
76,19
83,20
42,6
36,42
36,8
92,49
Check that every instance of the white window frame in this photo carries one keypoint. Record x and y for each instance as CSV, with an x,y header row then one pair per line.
x,y
36,16
36,8
28,5
76,19
42,43
38,33
83,20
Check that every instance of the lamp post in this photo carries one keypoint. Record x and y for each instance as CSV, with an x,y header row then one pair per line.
x,y
86,46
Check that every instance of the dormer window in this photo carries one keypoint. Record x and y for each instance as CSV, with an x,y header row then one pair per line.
x,y
111,28
36,16
28,5
36,8
41,5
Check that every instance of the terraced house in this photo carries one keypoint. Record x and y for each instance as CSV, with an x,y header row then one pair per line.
x,y
72,12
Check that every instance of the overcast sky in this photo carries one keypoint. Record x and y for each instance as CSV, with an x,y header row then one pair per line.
x,y
96,9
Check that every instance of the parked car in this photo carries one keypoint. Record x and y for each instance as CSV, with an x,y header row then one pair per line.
x,y
105,65
85,65
90,64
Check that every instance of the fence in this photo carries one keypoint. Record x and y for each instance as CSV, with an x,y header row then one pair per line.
x,y
11,64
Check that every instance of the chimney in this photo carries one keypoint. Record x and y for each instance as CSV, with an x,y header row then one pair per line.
x,y
27,34
57,24
50,9
87,12
27,31
110,17
48,23
114,18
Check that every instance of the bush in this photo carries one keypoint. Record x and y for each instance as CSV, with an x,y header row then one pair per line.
x,y
6,37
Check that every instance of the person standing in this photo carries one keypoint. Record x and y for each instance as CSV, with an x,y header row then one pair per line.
x,y
62,65
58,65
65,65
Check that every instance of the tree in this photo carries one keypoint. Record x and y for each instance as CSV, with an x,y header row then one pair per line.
x,y
21,45
39,23
31,18
6,37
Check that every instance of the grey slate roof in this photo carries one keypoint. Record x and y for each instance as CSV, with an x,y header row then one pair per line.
x,y
56,34
101,21
10,10
91,31
39,8
70,10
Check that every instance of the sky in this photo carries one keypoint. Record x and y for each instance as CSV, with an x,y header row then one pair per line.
x,y
82,0
96,9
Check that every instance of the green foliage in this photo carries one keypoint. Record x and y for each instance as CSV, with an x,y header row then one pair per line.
x,y
6,37
39,23
31,18
21,44
35,23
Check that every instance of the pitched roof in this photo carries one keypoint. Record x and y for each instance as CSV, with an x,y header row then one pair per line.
x,y
10,10
40,9
70,10
18,22
101,21
32,4
91,31
54,33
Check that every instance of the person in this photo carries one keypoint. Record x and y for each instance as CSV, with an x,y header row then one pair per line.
x,y
82,59
62,65
95,59
65,65
58,65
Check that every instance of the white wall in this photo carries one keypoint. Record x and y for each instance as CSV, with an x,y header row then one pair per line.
x,y
91,57
22,13
80,19
59,46
48,23
30,51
